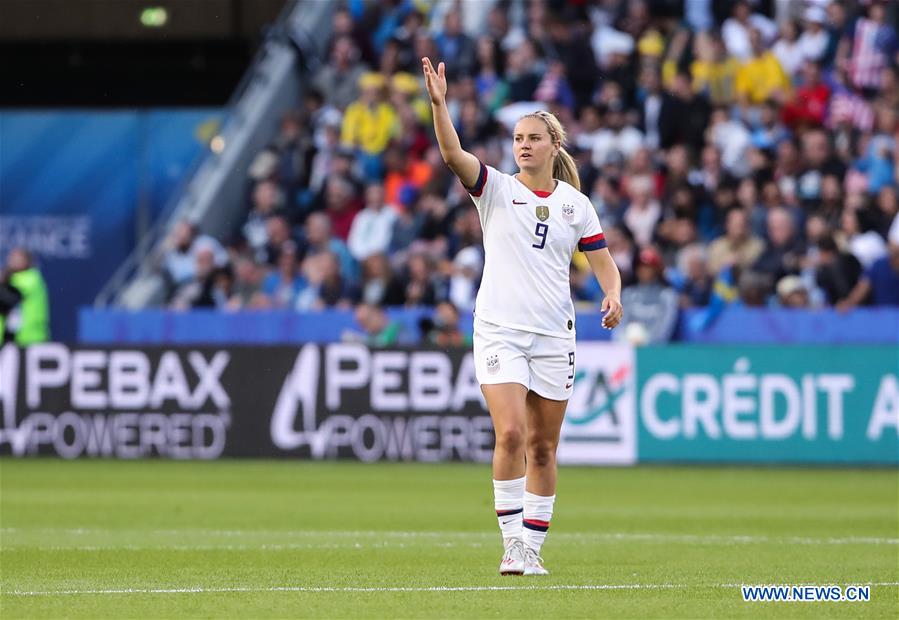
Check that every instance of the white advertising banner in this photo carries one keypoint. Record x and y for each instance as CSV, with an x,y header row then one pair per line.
x,y
600,425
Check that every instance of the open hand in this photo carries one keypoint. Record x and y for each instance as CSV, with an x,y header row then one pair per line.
x,y
434,80
612,310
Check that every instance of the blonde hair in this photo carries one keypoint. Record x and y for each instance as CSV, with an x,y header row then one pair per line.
x,y
564,166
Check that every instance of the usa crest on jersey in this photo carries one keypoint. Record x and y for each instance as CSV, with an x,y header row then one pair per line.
x,y
568,213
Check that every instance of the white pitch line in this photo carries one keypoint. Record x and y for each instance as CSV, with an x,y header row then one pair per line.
x,y
326,589
600,536
259,547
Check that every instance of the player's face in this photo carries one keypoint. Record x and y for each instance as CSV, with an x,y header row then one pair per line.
x,y
532,146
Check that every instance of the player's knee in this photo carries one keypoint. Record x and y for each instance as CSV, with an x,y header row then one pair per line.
x,y
541,453
510,439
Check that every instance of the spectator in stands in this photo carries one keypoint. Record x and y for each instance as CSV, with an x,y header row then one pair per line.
x,y
768,131
618,138
373,226
683,116
181,249
318,239
880,282
197,292
444,329
335,290
406,229
738,28
857,227
754,288
278,236
436,222
651,301
465,277
737,246
455,46
784,250
749,200
644,211
888,96
877,161
380,287
419,281
523,71
405,175
412,138
732,139
621,247
343,25
808,104
792,293
887,207
369,124
341,206
339,79
24,303
294,149
868,47
247,289
327,152
787,49
491,86
819,161
377,330
815,39
761,78
831,206
714,71
837,271
284,283
608,200
322,285
696,284
267,199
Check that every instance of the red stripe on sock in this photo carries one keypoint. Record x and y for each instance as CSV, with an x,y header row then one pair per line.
x,y
537,522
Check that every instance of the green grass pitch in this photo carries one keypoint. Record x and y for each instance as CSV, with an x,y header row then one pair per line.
x,y
294,539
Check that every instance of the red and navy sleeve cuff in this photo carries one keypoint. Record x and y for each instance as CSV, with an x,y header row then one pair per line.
x,y
596,242
478,188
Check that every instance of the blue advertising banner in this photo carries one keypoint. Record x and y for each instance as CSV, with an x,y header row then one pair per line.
x,y
272,327
71,183
800,404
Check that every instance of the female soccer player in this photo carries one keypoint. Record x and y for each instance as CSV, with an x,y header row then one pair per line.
x,y
524,337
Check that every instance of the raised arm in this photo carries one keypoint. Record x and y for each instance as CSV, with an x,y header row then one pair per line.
x,y
463,164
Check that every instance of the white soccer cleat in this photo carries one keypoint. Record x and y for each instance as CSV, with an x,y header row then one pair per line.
x,y
533,563
513,559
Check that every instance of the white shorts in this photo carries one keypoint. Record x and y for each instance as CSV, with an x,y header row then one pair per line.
x,y
544,364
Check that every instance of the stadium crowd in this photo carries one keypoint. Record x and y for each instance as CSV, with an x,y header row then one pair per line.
x,y
737,153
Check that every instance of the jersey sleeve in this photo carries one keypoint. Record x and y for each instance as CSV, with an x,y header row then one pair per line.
x,y
592,237
484,189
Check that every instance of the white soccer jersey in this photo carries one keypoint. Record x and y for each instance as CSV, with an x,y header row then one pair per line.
x,y
529,238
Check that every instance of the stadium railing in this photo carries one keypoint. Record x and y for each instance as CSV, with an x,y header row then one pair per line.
x,y
211,195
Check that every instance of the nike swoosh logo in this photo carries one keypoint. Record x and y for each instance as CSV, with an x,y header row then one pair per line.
x,y
567,385
508,522
515,202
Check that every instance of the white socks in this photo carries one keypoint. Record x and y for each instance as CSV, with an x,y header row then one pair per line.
x,y
508,498
538,512
521,514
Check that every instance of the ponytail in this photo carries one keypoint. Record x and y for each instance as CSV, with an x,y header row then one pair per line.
x,y
565,169
564,166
